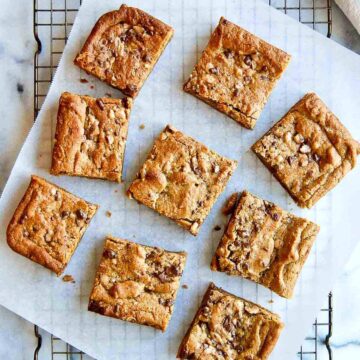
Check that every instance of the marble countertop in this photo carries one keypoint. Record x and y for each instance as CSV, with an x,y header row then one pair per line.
x,y
17,46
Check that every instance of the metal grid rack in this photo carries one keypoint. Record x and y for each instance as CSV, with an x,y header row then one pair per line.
x,y
53,19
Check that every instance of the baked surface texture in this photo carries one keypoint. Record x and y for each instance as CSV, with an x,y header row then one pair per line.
x,y
181,179
237,72
229,327
48,224
90,136
265,244
309,151
137,283
123,48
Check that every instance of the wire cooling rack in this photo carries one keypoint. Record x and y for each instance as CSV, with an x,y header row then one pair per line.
x,y
52,21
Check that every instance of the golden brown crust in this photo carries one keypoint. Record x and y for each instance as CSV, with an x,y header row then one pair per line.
x,y
90,136
123,48
181,179
230,204
237,72
309,151
48,224
265,244
137,283
229,327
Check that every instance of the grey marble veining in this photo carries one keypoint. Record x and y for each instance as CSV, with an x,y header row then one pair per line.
x,y
17,46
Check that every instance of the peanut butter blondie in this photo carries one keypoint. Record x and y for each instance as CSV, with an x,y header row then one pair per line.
x,y
137,283
237,72
91,136
181,179
48,224
123,48
265,244
229,327
309,151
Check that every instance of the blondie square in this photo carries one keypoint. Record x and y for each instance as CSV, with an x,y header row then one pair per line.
x,y
237,72
48,224
123,48
181,179
91,136
229,327
265,244
309,151
137,283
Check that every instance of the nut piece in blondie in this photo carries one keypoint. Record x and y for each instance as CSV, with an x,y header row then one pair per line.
x,y
229,327
309,151
48,224
236,73
181,179
91,136
265,244
123,48
137,283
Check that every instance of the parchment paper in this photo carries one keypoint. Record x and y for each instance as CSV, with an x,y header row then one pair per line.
x,y
318,65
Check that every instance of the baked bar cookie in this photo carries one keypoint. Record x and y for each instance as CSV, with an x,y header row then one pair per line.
x,y
137,283
309,151
91,136
237,72
229,327
181,179
265,244
123,48
48,224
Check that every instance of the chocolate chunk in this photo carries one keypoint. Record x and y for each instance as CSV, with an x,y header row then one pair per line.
x,y
264,68
248,60
81,214
65,214
95,306
228,53
291,159
172,270
150,31
169,273
217,228
100,104
109,254
227,323
147,58
126,102
236,92
316,157
275,216
84,81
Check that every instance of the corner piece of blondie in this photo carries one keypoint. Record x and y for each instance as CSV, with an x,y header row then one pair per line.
x,y
48,224
91,136
123,47
265,244
137,283
237,72
309,151
229,327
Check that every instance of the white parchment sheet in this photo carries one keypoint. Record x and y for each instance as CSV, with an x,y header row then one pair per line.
x,y
318,64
